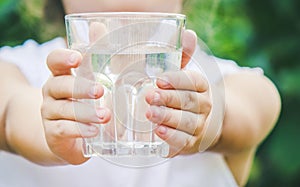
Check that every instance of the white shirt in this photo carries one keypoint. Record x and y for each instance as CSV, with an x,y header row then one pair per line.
x,y
202,169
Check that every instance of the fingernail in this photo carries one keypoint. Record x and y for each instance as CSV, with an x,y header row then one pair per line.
x,y
154,112
73,58
164,83
94,91
101,113
162,129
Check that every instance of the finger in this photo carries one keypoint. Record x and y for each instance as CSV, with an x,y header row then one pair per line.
x,y
180,99
178,141
97,31
183,80
189,42
62,87
65,139
61,61
187,122
59,129
75,111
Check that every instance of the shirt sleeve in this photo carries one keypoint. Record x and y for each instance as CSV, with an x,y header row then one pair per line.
x,y
214,68
30,58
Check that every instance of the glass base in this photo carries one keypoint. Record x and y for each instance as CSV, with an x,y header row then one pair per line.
x,y
121,149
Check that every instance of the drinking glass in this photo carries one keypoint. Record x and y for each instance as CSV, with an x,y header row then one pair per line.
x,y
125,52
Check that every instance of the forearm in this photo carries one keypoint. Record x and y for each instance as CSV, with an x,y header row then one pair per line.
x,y
21,129
252,106
24,129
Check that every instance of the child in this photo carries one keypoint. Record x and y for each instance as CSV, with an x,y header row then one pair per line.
x,y
249,117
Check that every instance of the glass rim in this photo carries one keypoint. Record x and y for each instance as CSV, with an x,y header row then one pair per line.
x,y
124,15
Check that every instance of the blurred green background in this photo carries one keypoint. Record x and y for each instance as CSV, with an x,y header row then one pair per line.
x,y
264,33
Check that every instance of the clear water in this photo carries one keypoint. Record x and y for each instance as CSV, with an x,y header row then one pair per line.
x,y
127,77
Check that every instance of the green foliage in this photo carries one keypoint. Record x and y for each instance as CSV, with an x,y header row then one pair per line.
x,y
222,25
13,29
23,19
276,26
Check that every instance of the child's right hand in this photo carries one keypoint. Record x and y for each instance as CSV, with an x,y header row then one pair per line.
x,y
63,129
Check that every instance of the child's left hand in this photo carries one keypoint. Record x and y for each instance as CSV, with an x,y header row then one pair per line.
x,y
180,106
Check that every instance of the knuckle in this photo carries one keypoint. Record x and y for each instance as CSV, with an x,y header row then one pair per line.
x,y
169,98
188,101
207,105
167,116
59,129
199,81
201,86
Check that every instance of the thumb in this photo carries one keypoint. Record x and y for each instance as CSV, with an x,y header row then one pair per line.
x,y
61,61
189,42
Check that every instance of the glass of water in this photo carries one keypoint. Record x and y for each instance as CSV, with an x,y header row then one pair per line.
x,y
125,52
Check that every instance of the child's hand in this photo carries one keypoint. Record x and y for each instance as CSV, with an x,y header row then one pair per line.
x,y
64,129
180,107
